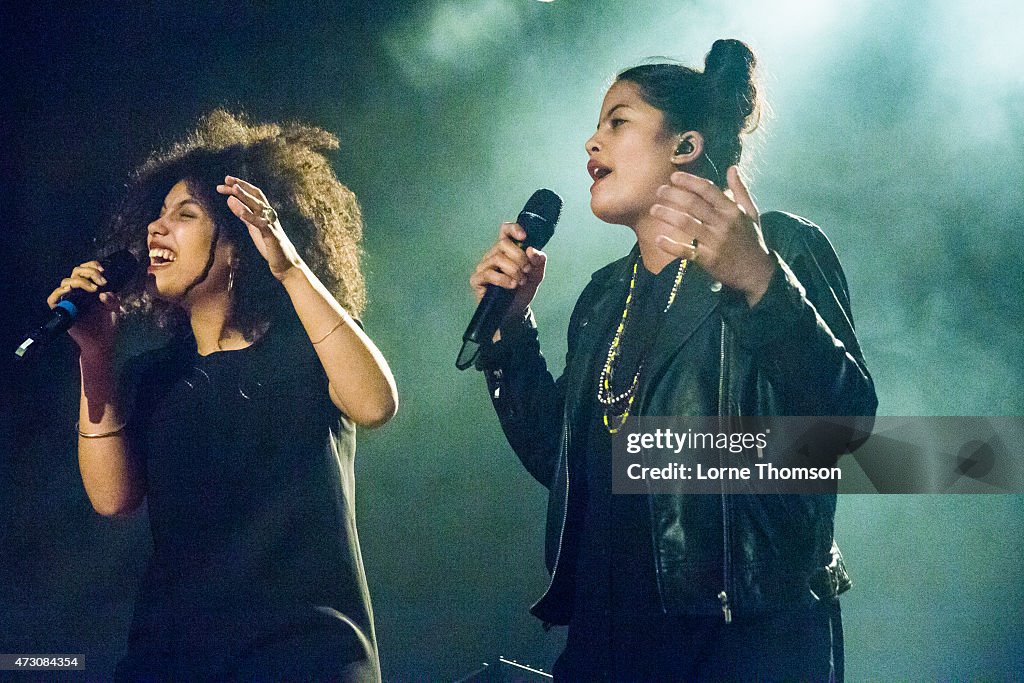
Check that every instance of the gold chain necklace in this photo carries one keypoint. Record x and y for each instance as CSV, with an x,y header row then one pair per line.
x,y
618,406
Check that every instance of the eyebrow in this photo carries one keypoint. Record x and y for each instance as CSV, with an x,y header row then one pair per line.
x,y
611,111
183,202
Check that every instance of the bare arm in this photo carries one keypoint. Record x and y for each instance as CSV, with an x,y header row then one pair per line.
x,y
361,383
111,474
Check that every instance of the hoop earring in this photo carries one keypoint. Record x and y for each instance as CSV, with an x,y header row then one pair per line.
x,y
231,276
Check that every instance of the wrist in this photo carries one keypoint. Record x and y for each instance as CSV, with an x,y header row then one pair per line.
x,y
291,274
101,432
760,278
515,324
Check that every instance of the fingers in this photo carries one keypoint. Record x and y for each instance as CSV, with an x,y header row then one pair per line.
x,y
513,252
69,284
92,271
246,201
685,250
685,200
484,276
538,263
88,276
250,196
702,188
506,264
241,203
243,212
79,282
506,254
514,269
679,219
55,296
512,231
248,187
740,192
507,272
701,210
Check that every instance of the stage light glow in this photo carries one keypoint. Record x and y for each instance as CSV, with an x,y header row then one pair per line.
x,y
455,37
993,61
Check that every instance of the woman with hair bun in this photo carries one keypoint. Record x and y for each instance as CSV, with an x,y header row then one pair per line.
x,y
717,311
239,432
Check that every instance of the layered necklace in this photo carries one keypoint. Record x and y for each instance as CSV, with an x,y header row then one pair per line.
x,y
617,406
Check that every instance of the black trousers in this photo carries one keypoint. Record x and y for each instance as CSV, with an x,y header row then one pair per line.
x,y
800,644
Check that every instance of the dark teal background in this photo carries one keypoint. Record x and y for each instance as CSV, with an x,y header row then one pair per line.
x,y
895,126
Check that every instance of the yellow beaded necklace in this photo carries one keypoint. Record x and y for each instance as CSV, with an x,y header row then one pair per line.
x,y
611,402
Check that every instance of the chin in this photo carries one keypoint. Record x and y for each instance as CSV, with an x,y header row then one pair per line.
x,y
609,214
163,293
166,297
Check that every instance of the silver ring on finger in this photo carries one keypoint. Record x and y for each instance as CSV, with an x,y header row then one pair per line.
x,y
693,245
269,215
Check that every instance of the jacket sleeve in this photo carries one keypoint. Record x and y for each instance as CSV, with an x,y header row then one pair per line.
x,y
529,402
801,331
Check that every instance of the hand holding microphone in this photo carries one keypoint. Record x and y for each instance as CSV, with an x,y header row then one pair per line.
x,y
507,277
506,265
84,305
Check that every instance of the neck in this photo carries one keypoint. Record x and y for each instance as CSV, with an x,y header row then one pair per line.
x,y
208,318
653,256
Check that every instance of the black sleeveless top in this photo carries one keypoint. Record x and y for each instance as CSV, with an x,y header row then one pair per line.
x,y
250,491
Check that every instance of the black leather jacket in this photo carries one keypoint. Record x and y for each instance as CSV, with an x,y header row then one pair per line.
x,y
794,353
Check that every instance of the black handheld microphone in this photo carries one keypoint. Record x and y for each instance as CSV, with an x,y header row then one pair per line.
x,y
118,268
538,219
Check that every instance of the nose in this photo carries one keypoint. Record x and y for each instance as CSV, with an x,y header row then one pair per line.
x,y
157,227
593,145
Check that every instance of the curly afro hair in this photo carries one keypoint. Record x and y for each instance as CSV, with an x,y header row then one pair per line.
x,y
289,163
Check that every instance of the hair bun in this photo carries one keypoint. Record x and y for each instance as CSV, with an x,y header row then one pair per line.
x,y
729,70
730,63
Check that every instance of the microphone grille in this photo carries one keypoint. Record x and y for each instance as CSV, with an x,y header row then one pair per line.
x,y
545,204
538,218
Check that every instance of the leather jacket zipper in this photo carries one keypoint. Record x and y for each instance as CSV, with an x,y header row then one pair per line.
x,y
565,512
723,595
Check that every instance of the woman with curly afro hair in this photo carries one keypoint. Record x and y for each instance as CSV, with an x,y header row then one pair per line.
x,y
240,432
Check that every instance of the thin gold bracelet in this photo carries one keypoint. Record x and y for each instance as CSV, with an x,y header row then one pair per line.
x,y
333,330
99,435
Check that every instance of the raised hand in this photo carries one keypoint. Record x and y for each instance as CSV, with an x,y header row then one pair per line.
x,y
720,233
252,206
